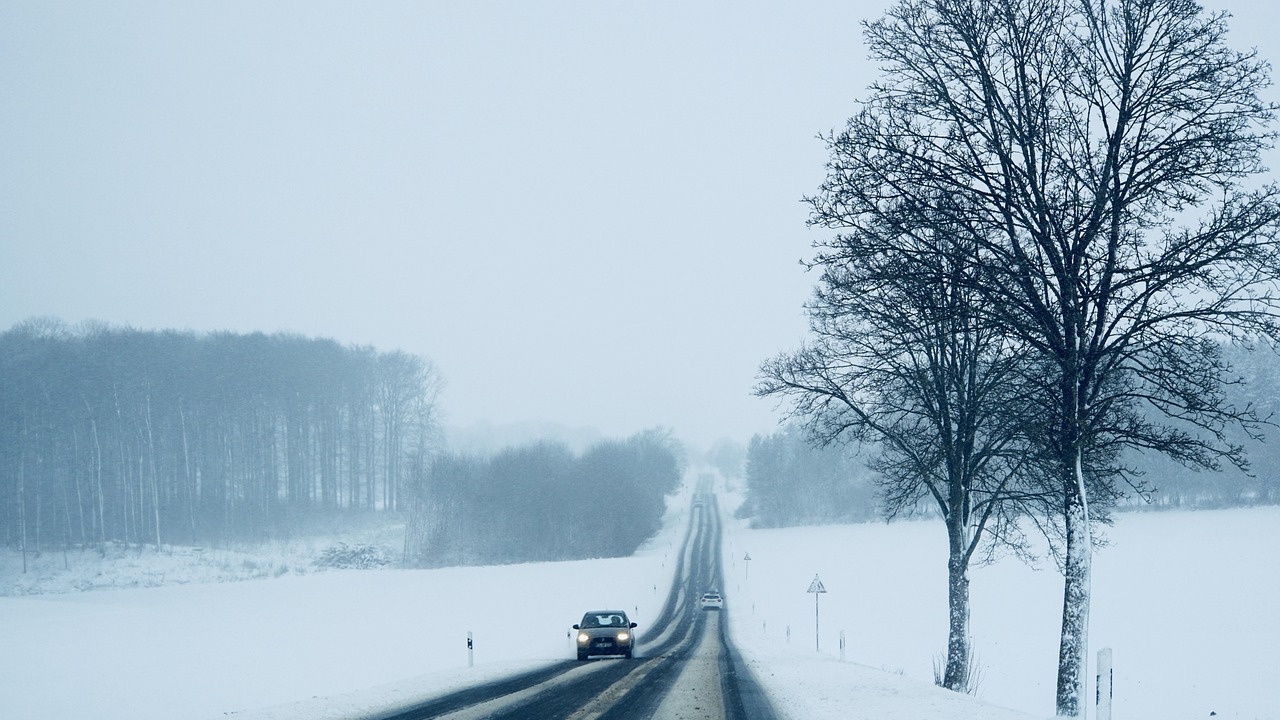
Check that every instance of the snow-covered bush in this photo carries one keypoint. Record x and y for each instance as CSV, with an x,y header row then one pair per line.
x,y
360,556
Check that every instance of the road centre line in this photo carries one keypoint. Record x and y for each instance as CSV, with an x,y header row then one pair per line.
x,y
489,708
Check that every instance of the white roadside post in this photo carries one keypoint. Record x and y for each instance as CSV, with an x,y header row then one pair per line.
x,y
1104,685
471,650
816,588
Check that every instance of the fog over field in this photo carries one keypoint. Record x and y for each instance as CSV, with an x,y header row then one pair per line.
x,y
332,331
582,216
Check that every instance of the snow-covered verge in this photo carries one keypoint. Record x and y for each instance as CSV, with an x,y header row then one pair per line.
x,y
347,644
304,643
117,566
1187,601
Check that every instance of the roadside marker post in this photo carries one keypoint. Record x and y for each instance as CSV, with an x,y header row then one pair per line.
x,y
1105,688
471,652
817,589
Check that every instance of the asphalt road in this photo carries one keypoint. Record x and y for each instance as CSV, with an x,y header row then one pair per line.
x,y
684,669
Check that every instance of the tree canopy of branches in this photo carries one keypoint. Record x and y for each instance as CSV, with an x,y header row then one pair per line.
x,y
539,502
149,437
1100,153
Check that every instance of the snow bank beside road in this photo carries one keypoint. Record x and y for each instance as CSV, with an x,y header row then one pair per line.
x,y
1179,596
1187,601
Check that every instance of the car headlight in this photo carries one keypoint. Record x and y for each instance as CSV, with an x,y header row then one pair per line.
x,y
583,637
622,636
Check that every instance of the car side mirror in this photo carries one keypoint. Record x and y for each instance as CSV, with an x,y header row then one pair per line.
x,y
575,627
634,624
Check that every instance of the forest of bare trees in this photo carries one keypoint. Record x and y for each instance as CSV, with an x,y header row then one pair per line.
x,y
542,502
158,437
791,482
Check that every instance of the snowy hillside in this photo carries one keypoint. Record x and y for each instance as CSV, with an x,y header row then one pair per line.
x,y
1190,615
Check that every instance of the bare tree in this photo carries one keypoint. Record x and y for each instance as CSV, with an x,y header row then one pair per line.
x,y
1101,150
902,359
405,388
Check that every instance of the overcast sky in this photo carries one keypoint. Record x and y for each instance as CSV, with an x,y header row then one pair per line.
x,y
584,213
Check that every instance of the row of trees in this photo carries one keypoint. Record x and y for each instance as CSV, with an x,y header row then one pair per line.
x,y
791,482
1046,228
541,502
1169,484
115,434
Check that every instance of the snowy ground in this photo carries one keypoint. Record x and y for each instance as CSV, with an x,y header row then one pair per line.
x,y
1184,600
1189,603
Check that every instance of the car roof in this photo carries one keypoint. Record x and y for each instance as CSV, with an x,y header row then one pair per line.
x,y
606,612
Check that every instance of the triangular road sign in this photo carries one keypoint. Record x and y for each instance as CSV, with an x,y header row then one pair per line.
x,y
816,586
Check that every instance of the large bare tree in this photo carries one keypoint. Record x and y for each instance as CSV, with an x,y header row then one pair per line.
x,y
1105,151
902,359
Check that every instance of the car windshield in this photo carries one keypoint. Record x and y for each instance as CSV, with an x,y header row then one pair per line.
x,y
593,620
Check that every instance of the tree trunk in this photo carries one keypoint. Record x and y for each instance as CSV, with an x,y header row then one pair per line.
x,y
22,494
1074,647
155,481
959,654
97,477
39,485
188,482
75,477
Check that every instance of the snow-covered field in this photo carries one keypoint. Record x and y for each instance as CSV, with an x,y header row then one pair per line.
x,y
1188,602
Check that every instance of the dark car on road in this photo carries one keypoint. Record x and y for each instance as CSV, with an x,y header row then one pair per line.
x,y
605,632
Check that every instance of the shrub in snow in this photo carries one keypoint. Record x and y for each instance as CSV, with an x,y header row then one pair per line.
x,y
972,678
361,557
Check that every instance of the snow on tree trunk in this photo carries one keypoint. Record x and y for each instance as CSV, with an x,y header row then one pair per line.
x,y
1074,647
956,675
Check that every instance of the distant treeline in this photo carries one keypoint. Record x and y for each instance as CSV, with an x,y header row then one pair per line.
x,y
115,434
791,482
541,502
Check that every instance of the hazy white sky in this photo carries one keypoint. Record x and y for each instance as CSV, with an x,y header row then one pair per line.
x,y
586,213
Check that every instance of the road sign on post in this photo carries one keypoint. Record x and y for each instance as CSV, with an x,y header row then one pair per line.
x,y
816,588
747,559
